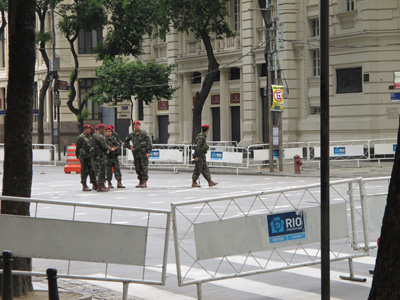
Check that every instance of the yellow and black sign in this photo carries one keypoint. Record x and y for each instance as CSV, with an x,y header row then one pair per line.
x,y
277,98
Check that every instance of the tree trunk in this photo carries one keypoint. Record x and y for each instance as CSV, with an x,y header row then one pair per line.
x,y
46,83
385,284
17,178
206,86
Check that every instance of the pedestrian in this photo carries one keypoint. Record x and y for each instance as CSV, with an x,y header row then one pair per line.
x,y
82,152
141,149
199,155
93,164
100,153
112,159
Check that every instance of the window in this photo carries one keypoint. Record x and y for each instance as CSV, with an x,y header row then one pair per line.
x,y
234,74
196,77
88,40
349,5
236,15
349,80
316,63
85,86
315,27
141,110
218,76
263,72
315,110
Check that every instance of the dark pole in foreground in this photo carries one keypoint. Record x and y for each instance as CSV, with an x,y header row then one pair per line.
x,y
324,98
52,280
7,276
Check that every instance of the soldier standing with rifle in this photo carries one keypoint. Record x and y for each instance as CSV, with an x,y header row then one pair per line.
x,y
200,158
100,153
141,150
82,152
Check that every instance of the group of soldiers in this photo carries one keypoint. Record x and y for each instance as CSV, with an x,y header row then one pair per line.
x,y
98,152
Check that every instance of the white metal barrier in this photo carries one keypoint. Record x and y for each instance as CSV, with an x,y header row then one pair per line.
x,y
382,149
227,156
113,240
42,154
255,233
258,155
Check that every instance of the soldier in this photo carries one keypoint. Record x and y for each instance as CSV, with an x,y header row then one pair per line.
x,y
93,165
116,135
100,152
82,152
141,150
112,159
200,158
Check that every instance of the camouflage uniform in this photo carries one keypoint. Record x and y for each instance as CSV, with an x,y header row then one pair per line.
x,y
200,152
112,159
100,154
143,145
82,152
93,163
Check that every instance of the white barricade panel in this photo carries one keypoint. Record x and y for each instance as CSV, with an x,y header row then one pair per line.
x,y
129,155
290,152
81,241
338,151
266,232
376,205
169,155
41,155
261,154
225,157
382,149
2,154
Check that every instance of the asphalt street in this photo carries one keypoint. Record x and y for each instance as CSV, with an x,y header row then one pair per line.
x,y
166,187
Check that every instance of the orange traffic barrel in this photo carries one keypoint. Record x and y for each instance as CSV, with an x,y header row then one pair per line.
x,y
73,163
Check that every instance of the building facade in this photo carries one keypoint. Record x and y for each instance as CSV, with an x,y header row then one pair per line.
x,y
364,52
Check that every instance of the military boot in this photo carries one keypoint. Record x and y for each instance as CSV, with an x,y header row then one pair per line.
x,y
94,186
110,186
144,184
211,183
119,184
195,184
85,188
140,184
102,188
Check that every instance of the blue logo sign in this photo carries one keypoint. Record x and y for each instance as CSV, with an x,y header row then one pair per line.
x,y
217,155
339,150
155,154
287,226
276,153
394,148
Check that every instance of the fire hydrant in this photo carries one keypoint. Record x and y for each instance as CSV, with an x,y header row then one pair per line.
x,y
297,164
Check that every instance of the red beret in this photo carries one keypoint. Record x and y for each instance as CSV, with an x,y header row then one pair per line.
x,y
109,128
86,126
101,126
136,122
205,126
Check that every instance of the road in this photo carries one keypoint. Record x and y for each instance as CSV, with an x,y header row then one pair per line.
x,y
164,188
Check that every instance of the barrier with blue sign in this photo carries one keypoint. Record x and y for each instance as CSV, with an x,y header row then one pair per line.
x,y
286,226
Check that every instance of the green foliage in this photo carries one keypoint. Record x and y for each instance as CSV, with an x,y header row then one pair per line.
x,y
196,16
83,15
84,115
129,22
120,79
43,37
3,5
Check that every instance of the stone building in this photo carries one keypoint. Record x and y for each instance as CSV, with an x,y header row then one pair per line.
x,y
364,52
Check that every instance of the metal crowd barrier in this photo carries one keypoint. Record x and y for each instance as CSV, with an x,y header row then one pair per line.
x,y
123,244
249,234
42,154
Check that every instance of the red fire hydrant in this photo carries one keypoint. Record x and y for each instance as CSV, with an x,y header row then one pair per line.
x,y
297,164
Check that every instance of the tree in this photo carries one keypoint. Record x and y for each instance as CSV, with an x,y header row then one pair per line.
x,y
17,178
118,80
385,284
3,9
43,37
86,15
129,21
204,18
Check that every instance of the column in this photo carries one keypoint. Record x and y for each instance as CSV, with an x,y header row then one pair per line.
x,y
224,106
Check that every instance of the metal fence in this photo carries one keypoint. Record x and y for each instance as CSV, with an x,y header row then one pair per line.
x,y
256,233
42,154
120,244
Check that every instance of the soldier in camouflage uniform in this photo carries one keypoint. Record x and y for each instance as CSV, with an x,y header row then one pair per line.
x,y
93,165
116,135
112,159
141,150
200,158
100,153
82,152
